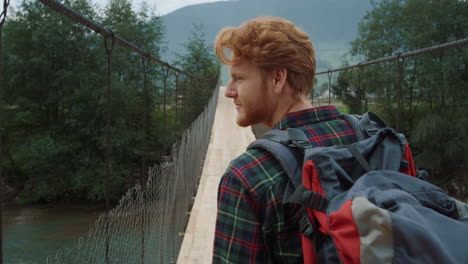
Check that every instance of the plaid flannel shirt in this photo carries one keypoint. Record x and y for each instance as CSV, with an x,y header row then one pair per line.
x,y
253,225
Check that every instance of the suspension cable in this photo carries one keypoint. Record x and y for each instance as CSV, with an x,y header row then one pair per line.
x,y
146,96
401,62
165,73
329,86
3,15
398,56
360,90
184,102
73,15
176,102
146,133
108,145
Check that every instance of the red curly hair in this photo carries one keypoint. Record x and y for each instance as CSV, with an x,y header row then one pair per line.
x,y
270,43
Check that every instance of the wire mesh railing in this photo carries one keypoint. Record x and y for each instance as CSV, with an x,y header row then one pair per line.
x,y
399,58
147,225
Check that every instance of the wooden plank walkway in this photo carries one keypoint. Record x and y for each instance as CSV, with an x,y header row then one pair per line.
x,y
228,141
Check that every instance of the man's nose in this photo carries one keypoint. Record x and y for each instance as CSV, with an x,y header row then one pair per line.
x,y
230,91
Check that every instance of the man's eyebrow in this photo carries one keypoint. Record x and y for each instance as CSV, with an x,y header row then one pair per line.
x,y
236,75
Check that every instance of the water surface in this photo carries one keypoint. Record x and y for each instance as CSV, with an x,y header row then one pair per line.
x,y
32,233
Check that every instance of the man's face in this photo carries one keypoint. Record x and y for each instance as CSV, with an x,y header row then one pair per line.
x,y
251,93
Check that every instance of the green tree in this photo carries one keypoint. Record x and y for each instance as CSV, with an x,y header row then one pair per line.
x,y
422,96
54,95
348,87
52,68
54,105
199,61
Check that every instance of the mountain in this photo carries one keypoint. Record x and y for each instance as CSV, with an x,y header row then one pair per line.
x,y
331,24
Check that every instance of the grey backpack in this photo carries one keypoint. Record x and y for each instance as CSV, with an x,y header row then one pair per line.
x,y
362,203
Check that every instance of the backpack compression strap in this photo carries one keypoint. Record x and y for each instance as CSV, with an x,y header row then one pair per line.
x,y
309,199
359,157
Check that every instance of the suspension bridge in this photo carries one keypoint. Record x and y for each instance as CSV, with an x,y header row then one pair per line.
x,y
170,218
227,142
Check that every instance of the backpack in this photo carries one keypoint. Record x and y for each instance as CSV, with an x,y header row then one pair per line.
x,y
365,202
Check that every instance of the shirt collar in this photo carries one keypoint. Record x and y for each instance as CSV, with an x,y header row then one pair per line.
x,y
308,116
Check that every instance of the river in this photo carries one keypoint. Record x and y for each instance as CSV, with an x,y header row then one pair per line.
x,y
32,233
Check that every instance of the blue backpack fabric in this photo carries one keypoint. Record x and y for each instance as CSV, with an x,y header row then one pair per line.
x,y
358,206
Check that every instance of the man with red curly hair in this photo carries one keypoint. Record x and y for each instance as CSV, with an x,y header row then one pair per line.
x,y
272,72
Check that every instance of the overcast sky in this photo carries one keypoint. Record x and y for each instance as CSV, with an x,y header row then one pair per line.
x,y
164,7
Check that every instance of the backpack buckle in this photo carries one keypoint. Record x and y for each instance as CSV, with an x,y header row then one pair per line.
x,y
305,225
301,144
314,200
309,230
298,138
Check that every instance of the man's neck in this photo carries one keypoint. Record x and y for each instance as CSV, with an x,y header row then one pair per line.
x,y
286,107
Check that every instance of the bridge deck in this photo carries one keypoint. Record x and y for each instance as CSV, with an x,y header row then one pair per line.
x,y
227,142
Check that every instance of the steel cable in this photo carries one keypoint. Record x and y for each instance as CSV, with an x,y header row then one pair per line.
x,y
78,18
398,56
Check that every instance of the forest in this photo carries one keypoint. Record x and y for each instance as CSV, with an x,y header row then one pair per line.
x,y
53,114
424,96
53,80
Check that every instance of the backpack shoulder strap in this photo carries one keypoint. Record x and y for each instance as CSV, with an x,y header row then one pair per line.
x,y
287,148
365,125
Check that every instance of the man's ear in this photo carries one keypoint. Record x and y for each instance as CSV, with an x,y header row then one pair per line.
x,y
280,75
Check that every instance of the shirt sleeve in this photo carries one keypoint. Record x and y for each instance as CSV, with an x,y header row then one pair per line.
x,y
251,227
280,228
238,237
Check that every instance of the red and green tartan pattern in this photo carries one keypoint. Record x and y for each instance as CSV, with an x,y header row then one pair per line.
x,y
253,225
